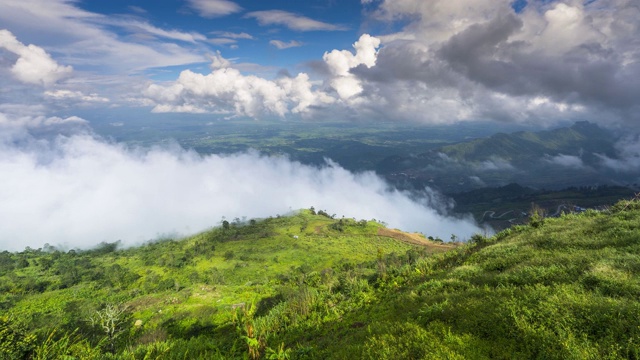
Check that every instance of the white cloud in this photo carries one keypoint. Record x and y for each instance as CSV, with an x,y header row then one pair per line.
x,y
17,126
84,40
218,62
292,21
145,27
285,45
227,90
75,95
214,8
228,38
457,60
222,41
232,35
570,161
340,62
34,65
477,181
494,164
628,156
78,191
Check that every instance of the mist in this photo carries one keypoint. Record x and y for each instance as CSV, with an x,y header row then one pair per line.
x,y
76,191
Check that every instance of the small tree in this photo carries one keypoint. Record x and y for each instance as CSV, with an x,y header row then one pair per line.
x,y
112,321
536,215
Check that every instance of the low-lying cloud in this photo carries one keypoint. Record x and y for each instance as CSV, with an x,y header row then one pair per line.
x,y
570,161
79,190
628,160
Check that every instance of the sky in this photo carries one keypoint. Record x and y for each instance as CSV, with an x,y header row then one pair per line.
x,y
437,61
539,62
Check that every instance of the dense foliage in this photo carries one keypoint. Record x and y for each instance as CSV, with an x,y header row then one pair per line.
x,y
313,287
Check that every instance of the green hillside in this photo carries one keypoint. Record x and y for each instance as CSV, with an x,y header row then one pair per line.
x,y
525,147
187,292
550,159
561,288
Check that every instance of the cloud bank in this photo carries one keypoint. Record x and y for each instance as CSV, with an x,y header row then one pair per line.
x,y
79,190
227,91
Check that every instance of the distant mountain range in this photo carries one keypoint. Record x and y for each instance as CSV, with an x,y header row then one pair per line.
x,y
552,159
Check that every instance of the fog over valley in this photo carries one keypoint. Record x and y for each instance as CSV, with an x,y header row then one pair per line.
x,y
79,190
501,66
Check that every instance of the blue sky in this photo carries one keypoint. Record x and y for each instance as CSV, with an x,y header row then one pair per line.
x,y
238,35
440,61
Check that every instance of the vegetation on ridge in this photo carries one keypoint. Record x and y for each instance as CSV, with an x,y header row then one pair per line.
x,y
561,288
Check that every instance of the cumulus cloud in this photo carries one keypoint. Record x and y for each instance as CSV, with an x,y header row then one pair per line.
x,y
79,190
552,60
340,62
214,8
34,65
292,21
285,45
570,161
227,91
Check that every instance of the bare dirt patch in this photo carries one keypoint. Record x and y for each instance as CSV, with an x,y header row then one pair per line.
x,y
414,239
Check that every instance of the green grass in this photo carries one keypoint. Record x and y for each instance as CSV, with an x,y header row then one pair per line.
x,y
566,288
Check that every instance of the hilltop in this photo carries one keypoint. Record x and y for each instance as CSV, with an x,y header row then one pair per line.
x,y
188,288
312,287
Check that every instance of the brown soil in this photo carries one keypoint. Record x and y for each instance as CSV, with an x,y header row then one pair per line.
x,y
415,239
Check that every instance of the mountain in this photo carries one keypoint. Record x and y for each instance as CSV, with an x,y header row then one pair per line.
x,y
311,287
551,159
522,148
505,206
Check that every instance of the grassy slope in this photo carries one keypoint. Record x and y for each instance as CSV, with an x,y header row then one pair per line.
x,y
187,288
565,288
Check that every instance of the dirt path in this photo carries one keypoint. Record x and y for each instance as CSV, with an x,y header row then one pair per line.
x,y
414,239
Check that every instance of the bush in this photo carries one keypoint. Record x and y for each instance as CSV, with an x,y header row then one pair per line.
x,y
15,341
